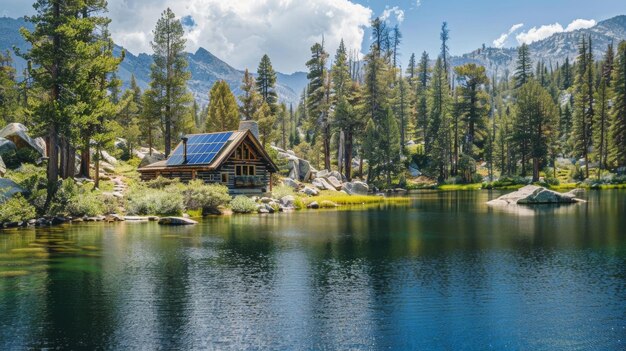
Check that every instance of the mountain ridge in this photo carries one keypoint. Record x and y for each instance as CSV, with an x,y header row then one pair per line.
x,y
206,68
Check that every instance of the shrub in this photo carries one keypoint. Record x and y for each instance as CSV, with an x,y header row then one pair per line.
x,y
402,180
206,197
87,204
162,182
327,204
16,209
282,190
298,203
148,201
243,204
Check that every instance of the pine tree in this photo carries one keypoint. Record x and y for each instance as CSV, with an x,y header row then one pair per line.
x,y
284,125
396,39
567,75
411,70
523,68
421,97
538,116
64,50
618,125
8,89
445,50
401,108
473,103
266,84
169,74
602,125
437,136
267,123
249,98
318,99
223,114
582,131
608,64
342,84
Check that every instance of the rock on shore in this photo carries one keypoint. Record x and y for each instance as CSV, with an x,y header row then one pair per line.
x,y
176,221
535,195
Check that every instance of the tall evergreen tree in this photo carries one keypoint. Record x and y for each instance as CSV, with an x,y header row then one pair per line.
x,y
421,98
618,126
523,67
582,129
249,98
602,125
445,50
8,89
223,111
473,103
539,114
267,123
437,136
169,74
318,101
266,84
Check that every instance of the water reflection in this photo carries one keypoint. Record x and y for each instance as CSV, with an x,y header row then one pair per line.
x,y
446,272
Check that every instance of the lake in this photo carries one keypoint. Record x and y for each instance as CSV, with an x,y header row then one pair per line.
x,y
443,273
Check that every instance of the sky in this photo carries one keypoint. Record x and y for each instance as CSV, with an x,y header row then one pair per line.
x,y
241,31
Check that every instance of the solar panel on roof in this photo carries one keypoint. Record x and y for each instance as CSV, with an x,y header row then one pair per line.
x,y
201,149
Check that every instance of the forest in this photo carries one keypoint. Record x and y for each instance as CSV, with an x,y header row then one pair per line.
x,y
366,117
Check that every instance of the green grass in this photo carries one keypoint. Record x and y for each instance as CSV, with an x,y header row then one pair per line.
x,y
345,199
454,187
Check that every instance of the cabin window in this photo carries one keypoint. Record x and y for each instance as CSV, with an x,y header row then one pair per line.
x,y
245,170
243,152
224,177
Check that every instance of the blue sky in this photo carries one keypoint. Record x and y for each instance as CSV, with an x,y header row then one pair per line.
x,y
241,31
473,23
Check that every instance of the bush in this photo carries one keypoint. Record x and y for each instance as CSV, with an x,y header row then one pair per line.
x,y
298,203
16,209
327,204
149,201
15,158
206,197
402,180
243,204
87,204
162,182
282,190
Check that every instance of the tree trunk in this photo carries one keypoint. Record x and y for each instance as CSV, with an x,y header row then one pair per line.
x,y
327,147
97,164
53,163
85,160
348,155
341,152
535,169
168,131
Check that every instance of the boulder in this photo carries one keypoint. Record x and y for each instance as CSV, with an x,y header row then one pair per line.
x,y
323,173
18,134
293,167
336,175
310,191
534,195
288,201
8,188
314,205
334,182
108,158
323,184
263,210
290,182
150,159
3,167
176,221
6,146
266,200
355,188
304,170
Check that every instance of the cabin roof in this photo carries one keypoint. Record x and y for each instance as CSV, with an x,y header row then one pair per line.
x,y
226,150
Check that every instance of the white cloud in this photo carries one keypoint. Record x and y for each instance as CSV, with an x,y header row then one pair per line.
x,y
504,36
395,11
545,31
580,24
240,32
418,3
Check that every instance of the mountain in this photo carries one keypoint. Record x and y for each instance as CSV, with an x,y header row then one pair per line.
x,y
205,67
553,49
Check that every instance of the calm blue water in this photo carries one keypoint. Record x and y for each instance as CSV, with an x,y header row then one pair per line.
x,y
444,273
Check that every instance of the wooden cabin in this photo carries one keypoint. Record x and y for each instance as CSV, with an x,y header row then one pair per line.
x,y
236,159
